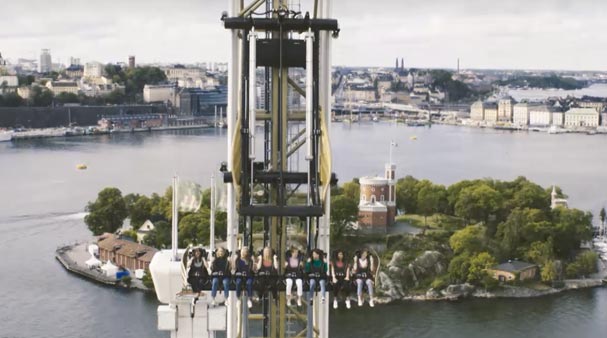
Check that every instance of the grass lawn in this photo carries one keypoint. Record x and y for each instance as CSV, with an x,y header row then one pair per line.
x,y
436,221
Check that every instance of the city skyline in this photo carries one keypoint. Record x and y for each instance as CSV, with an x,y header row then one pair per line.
x,y
545,34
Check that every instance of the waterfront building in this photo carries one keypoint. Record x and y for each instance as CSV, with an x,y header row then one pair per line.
x,y
144,230
505,108
582,117
540,116
58,87
93,70
46,62
180,74
362,93
125,253
491,112
599,106
131,61
74,71
477,111
8,83
555,201
604,119
514,270
520,114
558,118
377,205
196,101
160,93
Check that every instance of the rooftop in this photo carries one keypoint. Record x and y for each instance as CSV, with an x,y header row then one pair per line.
x,y
111,242
514,266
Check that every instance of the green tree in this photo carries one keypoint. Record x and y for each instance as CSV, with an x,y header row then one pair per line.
x,y
431,199
132,234
41,96
11,100
520,228
453,193
584,265
477,202
603,215
470,239
107,213
459,268
351,190
549,272
478,267
116,97
141,211
67,98
160,236
571,227
194,228
406,194
541,252
344,211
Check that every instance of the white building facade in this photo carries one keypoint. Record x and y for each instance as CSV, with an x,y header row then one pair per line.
x,y
582,117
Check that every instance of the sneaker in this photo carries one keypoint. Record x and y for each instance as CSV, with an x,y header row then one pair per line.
x,y
371,304
249,303
289,301
227,299
360,301
348,303
213,303
299,301
335,304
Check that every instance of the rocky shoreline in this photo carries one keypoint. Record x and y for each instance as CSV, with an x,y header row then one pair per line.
x,y
392,282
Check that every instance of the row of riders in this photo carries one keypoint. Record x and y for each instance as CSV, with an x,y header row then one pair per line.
x,y
243,270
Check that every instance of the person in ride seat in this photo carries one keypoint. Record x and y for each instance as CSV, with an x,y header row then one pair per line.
x,y
198,272
316,270
243,266
267,273
340,276
220,273
294,272
363,272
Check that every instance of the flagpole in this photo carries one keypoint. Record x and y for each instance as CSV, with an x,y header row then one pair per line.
x,y
213,202
174,231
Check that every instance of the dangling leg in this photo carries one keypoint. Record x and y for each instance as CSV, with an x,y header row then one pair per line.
x,y
214,287
289,289
323,290
359,291
226,288
370,290
238,285
299,283
312,290
346,286
249,292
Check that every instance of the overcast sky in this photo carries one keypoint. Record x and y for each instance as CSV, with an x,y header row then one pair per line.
x,y
530,34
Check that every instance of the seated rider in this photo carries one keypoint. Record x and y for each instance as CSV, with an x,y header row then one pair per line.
x,y
340,276
316,270
220,273
198,273
244,272
294,272
362,271
267,273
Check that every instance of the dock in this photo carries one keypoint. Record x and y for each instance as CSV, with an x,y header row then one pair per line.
x,y
72,258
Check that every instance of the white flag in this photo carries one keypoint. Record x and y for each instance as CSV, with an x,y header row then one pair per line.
x,y
189,196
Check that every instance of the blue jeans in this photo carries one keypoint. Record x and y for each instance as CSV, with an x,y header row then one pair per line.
x,y
249,284
215,286
359,287
323,287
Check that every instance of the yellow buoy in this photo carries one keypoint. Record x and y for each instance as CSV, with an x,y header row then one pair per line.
x,y
81,166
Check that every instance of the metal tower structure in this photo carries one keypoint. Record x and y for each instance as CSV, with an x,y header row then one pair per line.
x,y
270,40
261,186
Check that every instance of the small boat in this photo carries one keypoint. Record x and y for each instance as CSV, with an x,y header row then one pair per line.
x,y
81,166
375,119
413,138
6,136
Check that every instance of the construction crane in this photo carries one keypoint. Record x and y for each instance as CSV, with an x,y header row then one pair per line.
x,y
267,40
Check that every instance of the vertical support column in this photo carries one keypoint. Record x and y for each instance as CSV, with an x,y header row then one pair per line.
x,y
231,113
252,91
322,319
